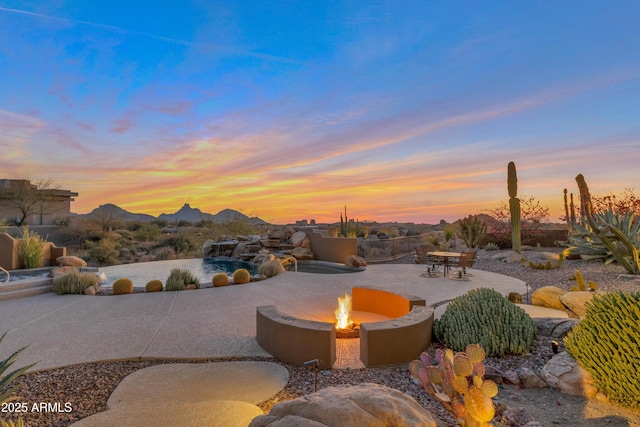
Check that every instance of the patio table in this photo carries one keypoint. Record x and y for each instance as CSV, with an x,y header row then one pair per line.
x,y
445,256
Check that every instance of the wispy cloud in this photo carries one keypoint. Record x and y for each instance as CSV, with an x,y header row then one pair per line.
x,y
125,31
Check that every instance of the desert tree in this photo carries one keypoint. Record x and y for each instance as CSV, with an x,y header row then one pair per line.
x,y
29,196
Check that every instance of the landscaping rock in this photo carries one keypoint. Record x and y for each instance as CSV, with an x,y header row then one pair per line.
x,y
529,379
60,271
576,301
512,377
71,261
554,327
355,261
91,290
564,373
364,405
509,257
548,296
517,416
302,253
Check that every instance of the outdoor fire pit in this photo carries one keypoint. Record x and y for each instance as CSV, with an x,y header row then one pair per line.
x,y
398,340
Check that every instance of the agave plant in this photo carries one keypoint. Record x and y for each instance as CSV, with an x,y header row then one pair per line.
x,y
6,379
607,237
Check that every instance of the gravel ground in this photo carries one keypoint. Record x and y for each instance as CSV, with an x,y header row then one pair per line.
x,y
88,386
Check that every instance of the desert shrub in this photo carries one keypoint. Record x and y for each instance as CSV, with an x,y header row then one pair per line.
x,y
74,283
471,230
147,232
104,252
483,316
30,249
153,286
491,247
122,286
607,342
180,243
164,253
179,279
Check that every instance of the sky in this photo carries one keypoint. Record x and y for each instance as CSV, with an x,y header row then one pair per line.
x,y
288,110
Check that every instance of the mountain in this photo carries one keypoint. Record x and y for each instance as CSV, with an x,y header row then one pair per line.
x,y
186,213
115,212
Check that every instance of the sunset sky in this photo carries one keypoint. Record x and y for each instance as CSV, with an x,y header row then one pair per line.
x,y
402,111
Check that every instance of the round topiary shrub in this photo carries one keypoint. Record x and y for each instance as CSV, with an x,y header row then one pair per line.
x,y
122,286
154,286
241,276
607,343
483,316
220,279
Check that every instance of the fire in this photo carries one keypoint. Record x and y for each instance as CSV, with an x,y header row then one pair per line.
x,y
343,313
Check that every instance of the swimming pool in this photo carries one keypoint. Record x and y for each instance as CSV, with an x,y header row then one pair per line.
x,y
140,273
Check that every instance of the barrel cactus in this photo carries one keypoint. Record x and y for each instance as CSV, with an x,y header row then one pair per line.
x,y
154,286
241,276
483,316
220,279
122,286
607,343
457,381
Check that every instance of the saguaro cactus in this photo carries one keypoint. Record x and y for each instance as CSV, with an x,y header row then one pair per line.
x,y
514,206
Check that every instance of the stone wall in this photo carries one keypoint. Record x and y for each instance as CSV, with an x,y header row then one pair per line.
x,y
9,259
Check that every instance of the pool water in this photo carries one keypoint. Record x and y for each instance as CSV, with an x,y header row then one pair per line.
x,y
140,273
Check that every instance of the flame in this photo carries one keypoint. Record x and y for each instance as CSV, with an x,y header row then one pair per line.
x,y
343,313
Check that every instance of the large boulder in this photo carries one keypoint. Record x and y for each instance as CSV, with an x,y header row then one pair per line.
x,y
71,261
554,327
576,301
364,405
548,296
297,238
564,373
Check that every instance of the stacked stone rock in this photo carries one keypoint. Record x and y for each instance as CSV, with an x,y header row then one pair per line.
x,y
283,241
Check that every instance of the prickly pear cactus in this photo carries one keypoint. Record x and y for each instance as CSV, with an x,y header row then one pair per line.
x,y
457,381
483,316
607,344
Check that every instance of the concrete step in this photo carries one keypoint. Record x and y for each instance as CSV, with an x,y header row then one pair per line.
x,y
24,284
24,292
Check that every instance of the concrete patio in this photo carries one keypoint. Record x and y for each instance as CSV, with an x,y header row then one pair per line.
x,y
200,324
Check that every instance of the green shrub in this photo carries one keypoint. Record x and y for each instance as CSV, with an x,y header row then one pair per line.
x,y
104,252
483,316
607,343
30,249
6,392
179,279
73,283
122,286
491,247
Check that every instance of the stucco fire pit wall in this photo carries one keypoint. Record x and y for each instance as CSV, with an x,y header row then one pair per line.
x,y
397,340
294,340
394,341
381,301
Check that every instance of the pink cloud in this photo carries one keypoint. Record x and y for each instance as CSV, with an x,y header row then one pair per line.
x,y
121,125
